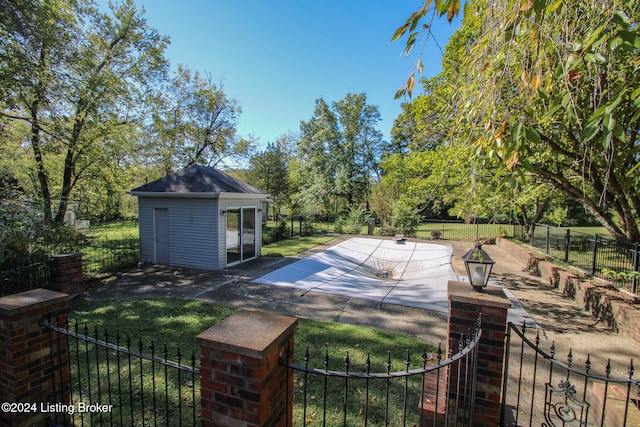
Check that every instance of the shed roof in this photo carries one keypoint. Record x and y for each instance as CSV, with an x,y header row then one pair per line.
x,y
196,180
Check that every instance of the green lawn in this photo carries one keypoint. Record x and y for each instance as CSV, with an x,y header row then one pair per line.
x,y
294,246
177,322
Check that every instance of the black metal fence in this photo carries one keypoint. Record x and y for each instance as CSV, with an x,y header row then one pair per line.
x,y
596,255
433,229
328,397
542,390
107,256
32,273
117,383
102,257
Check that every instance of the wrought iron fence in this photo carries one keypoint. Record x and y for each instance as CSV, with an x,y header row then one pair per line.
x,y
117,383
108,256
433,229
30,274
593,254
542,390
437,392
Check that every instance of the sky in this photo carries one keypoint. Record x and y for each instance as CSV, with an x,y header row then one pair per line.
x,y
277,57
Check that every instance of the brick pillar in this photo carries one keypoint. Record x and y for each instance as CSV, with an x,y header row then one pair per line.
x,y
242,382
28,355
66,274
465,305
435,393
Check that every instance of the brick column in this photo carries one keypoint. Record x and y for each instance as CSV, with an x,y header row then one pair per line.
x,y
465,305
66,274
28,356
242,382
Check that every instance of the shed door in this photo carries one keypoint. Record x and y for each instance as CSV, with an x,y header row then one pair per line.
x,y
161,224
248,233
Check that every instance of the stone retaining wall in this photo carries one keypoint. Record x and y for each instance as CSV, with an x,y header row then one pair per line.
x,y
619,315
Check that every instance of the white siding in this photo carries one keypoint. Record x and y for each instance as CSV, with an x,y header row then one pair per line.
x,y
192,230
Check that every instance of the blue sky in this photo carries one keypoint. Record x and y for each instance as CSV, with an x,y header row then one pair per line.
x,y
277,57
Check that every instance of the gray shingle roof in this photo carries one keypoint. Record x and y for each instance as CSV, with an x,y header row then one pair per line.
x,y
197,179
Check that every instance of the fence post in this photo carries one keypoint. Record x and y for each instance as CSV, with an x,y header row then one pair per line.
x,y
636,268
567,245
66,274
595,254
241,379
465,305
548,237
33,369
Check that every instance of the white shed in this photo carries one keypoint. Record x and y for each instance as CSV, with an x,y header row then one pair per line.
x,y
199,218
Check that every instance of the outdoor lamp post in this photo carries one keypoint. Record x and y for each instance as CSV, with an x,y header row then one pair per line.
x,y
478,264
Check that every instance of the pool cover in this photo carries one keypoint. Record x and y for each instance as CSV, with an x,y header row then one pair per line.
x,y
405,273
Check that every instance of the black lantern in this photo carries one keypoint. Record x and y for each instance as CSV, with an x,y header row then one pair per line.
x,y
478,264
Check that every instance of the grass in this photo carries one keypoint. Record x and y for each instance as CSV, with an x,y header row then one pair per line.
x,y
177,322
294,246
114,230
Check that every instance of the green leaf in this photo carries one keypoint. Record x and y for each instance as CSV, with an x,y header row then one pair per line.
x,y
630,37
621,18
532,135
590,131
399,32
517,132
598,58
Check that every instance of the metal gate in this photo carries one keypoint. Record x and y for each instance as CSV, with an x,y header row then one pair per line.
x,y
541,390
429,392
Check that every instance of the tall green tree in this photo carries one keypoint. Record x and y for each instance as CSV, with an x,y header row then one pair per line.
x,y
75,75
269,171
194,121
339,148
551,88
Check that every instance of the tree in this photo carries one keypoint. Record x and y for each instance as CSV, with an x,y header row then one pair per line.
x,y
552,89
339,148
75,75
193,121
270,171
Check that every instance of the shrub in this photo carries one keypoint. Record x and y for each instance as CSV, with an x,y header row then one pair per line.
x,y
436,234
356,219
404,217
281,232
307,228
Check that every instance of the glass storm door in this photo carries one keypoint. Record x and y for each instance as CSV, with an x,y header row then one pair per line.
x,y
248,233
233,236
241,234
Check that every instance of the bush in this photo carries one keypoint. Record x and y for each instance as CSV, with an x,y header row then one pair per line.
x,y
307,229
281,232
356,219
436,234
404,217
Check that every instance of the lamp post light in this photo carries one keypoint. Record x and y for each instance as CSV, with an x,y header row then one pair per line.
x,y
478,264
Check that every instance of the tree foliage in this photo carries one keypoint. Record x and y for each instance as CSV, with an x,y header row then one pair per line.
x,y
75,75
551,89
269,171
193,121
339,148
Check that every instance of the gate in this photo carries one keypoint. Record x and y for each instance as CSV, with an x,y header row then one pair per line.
x,y
543,391
435,392
117,383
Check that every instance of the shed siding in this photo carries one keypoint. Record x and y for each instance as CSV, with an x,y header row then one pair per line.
x,y
193,230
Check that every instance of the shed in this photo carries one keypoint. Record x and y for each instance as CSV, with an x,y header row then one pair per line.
x,y
199,217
